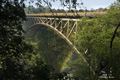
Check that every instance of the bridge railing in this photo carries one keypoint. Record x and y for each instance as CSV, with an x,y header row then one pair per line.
x,y
69,14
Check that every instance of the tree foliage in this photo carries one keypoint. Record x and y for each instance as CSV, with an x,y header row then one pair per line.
x,y
99,41
15,53
12,46
49,45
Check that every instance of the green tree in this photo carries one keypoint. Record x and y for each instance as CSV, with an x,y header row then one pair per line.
x,y
80,69
14,52
12,46
50,46
99,40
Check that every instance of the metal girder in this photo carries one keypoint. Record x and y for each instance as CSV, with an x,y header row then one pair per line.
x,y
62,25
65,27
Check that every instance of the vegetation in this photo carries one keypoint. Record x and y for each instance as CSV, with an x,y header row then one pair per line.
x,y
49,45
15,53
99,40
12,46
41,9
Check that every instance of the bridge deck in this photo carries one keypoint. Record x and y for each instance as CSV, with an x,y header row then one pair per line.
x,y
67,15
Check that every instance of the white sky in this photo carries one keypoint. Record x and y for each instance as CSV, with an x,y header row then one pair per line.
x,y
89,4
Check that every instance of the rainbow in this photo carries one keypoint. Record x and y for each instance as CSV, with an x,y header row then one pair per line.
x,y
65,63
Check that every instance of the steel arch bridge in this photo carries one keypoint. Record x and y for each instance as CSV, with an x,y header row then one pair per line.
x,y
65,27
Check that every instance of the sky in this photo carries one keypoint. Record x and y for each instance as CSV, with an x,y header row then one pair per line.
x,y
89,4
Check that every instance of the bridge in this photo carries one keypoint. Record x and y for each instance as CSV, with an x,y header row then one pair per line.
x,y
67,28
61,26
72,15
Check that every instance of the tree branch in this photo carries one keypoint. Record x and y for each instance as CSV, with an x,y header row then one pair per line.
x,y
113,37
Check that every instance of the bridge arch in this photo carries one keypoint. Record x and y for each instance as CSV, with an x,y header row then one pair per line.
x,y
58,32
51,23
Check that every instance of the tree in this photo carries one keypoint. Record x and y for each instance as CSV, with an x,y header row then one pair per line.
x,y
12,46
14,51
49,45
80,69
81,10
99,40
